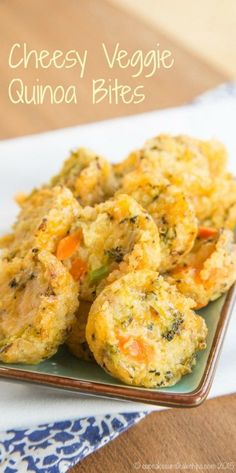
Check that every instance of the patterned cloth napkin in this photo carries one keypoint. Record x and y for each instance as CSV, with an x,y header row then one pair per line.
x,y
56,447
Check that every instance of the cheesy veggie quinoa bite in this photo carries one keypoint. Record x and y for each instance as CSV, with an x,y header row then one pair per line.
x,y
107,241
89,177
38,301
142,331
171,210
177,158
44,219
209,270
191,164
38,295
211,154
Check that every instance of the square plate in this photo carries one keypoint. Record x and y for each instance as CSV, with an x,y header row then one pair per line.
x,y
27,162
66,372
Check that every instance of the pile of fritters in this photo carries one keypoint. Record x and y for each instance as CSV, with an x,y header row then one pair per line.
x,y
113,260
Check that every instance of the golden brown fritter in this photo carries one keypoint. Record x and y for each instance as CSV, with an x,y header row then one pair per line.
x,y
43,220
171,210
191,164
38,302
89,177
143,331
210,269
108,241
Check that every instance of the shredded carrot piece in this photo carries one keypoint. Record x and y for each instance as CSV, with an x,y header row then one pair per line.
x,y
193,271
78,268
205,232
135,348
68,245
197,276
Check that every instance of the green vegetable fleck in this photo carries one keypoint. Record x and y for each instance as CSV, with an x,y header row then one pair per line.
x,y
98,274
115,254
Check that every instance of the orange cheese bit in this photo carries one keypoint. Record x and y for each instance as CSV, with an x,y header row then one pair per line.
x,y
207,232
68,245
136,349
193,271
78,269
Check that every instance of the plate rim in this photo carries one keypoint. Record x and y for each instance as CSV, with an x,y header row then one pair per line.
x,y
192,399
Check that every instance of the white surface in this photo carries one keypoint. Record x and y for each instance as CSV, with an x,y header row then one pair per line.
x,y
28,161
